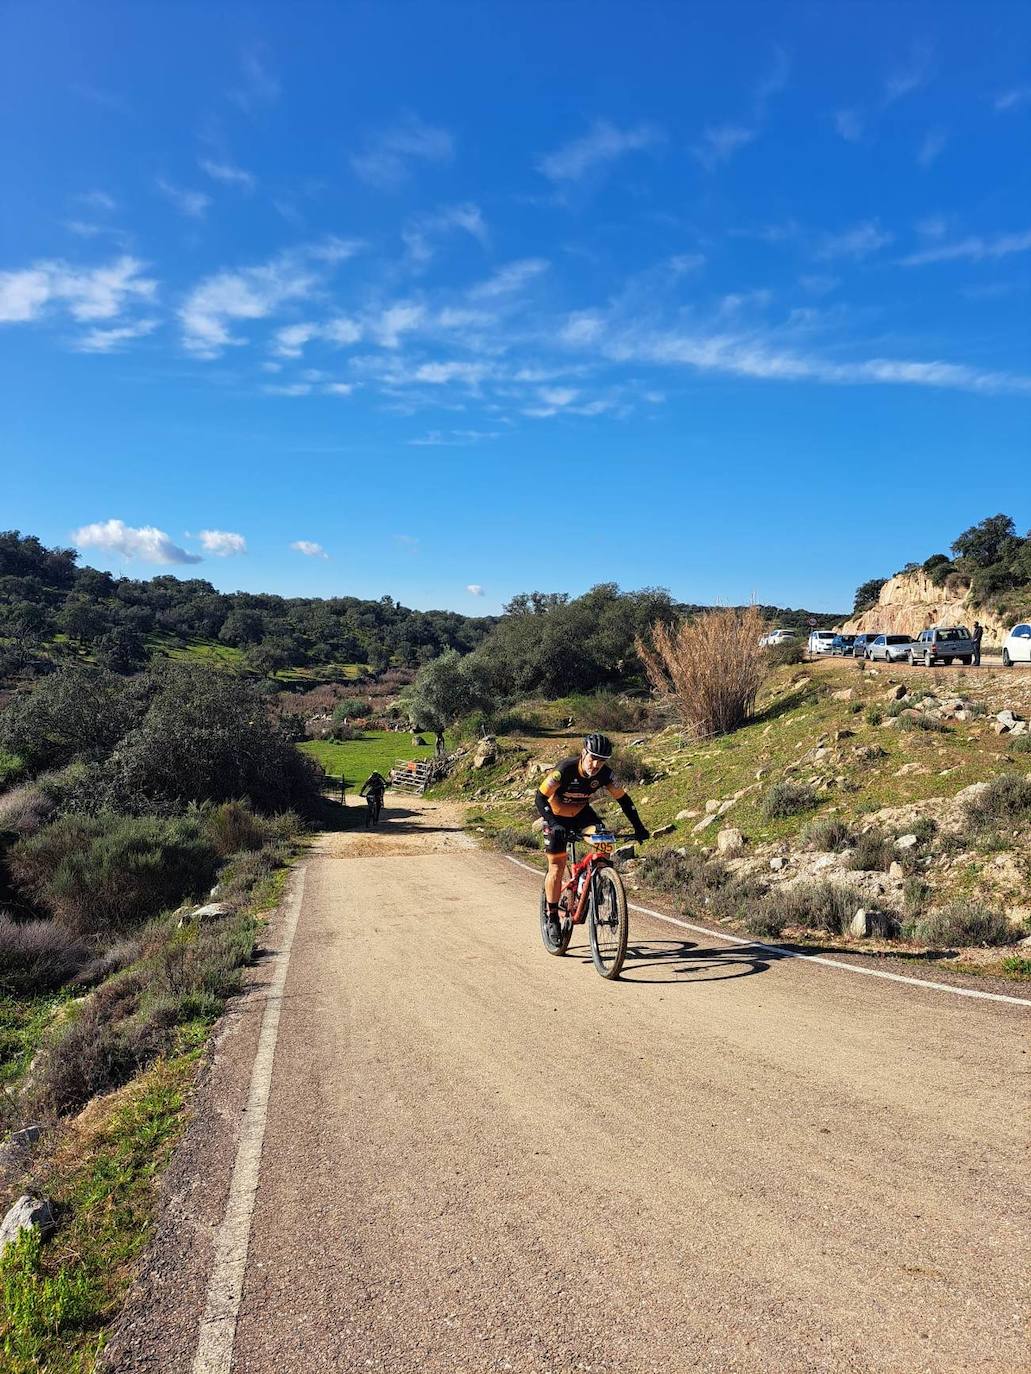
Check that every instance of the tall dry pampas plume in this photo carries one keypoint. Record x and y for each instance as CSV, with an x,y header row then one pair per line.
x,y
708,669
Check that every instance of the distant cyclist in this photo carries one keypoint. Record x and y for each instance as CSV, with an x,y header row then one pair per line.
x,y
372,790
563,802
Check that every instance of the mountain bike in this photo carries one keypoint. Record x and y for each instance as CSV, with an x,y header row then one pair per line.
x,y
594,893
374,802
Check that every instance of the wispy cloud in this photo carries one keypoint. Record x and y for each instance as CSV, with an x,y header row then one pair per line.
x,y
719,143
850,124
98,293
288,389
229,175
145,543
932,147
111,340
858,242
419,234
509,279
192,204
973,249
454,438
98,201
259,86
387,159
222,543
474,589
1013,99
253,293
396,320
604,144
309,548
907,77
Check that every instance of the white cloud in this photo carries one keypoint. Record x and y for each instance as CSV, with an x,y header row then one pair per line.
x,y
932,147
148,544
973,249
818,283
228,174
288,389
386,161
341,331
858,242
98,200
192,204
439,374
582,328
1013,99
338,388
396,320
98,293
109,340
510,278
222,543
474,589
309,548
849,124
260,86
604,144
932,227
289,342
454,438
720,142
418,235
908,78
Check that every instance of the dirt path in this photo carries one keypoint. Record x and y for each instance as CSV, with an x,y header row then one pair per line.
x,y
479,1159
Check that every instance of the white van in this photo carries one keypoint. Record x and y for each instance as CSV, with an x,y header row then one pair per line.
x,y
820,641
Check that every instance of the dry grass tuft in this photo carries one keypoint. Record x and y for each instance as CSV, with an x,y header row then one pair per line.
x,y
708,669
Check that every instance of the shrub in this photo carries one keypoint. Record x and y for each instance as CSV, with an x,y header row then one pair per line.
x,y
629,766
915,892
74,713
37,956
828,836
606,711
765,921
11,766
509,838
966,923
24,809
233,827
873,851
874,715
113,959
780,655
352,708
925,828
1017,964
1005,802
249,870
108,872
788,799
1020,745
708,669
699,884
923,722
815,906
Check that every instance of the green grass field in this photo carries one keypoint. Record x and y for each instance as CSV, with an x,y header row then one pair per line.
x,y
355,759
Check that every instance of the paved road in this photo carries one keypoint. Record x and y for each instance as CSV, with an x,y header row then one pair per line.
x,y
479,1159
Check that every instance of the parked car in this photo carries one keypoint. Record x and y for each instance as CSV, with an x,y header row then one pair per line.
x,y
890,648
778,637
943,643
861,644
820,641
842,645
1016,647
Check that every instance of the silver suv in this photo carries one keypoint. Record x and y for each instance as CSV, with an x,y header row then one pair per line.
x,y
943,644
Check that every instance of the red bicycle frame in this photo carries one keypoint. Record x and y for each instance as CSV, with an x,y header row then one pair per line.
x,y
577,890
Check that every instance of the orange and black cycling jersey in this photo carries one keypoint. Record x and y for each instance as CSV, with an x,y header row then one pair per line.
x,y
568,790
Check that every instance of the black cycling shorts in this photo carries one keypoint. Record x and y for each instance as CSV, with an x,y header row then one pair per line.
x,y
558,836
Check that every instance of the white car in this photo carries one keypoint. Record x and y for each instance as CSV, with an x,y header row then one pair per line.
x,y
1016,647
890,648
777,637
820,641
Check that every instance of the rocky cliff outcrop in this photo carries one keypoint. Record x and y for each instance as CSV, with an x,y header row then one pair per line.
x,y
909,602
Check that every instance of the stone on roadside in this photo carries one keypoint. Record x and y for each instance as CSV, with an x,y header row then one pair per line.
x,y
27,1214
905,842
1001,728
895,869
1008,717
625,851
704,823
663,830
713,805
685,815
729,840
211,911
897,693
860,926
844,694
777,863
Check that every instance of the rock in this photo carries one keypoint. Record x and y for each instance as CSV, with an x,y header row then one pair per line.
x,y
704,823
211,911
635,742
860,926
729,840
13,1151
28,1213
625,851
486,753
1001,728
713,805
891,723
726,806
845,694
1008,717
968,794
663,830
1020,728
839,735
761,773
897,693
895,870
905,842
777,863
685,815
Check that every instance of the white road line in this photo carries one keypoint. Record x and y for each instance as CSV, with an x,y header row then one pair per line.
x,y
225,1287
809,958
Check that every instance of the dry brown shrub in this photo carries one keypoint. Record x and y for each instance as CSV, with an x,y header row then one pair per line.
x,y
708,669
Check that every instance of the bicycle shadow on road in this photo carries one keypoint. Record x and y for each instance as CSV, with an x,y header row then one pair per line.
x,y
685,961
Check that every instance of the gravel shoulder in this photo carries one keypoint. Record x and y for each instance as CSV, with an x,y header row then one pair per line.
x,y
478,1158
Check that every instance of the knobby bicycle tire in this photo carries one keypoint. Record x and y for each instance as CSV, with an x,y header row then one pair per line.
x,y
608,922
565,930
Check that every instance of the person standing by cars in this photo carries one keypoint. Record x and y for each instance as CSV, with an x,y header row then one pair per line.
x,y
978,636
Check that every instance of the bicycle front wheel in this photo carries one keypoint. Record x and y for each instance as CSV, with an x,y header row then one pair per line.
x,y
608,923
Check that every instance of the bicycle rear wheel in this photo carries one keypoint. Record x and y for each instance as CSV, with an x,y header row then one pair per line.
x,y
565,930
608,923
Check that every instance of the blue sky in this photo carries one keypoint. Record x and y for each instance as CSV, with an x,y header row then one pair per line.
x,y
451,301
